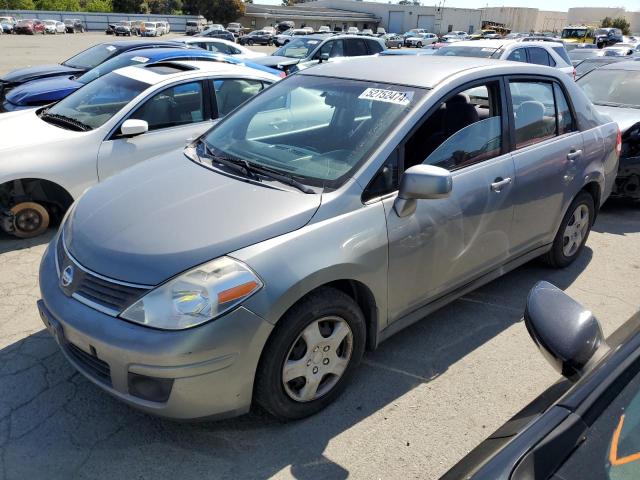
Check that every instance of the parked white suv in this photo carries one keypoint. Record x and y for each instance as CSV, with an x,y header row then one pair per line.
x,y
551,54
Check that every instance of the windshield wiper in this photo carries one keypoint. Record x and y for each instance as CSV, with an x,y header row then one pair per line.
x,y
63,120
251,170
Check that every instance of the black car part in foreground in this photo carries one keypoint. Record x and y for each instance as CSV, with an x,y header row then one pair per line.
x,y
584,426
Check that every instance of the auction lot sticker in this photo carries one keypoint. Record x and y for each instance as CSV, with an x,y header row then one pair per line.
x,y
388,96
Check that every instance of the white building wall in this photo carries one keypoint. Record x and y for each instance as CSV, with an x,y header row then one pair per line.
x,y
551,21
458,18
593,16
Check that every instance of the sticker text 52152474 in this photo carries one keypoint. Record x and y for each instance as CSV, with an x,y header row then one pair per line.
x,y
388,96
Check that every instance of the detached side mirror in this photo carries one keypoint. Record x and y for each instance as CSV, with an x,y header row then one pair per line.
x,y
567,334
324,57
132,127
421,182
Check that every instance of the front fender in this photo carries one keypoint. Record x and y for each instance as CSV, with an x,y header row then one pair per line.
x,y
351,246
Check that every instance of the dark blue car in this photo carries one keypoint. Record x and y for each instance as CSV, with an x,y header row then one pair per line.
x,y
78,64
49,90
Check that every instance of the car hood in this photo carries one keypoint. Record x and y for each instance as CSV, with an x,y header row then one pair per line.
x,y
43,90
624,117
41,71
275,61
169,214
23,129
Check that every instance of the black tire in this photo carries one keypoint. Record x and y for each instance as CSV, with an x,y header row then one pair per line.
x,y
556,257
269,391
250,43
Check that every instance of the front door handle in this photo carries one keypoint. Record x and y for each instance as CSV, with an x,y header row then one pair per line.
x,y
574,155
500,182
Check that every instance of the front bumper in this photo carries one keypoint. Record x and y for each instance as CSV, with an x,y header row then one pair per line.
x,y
209,369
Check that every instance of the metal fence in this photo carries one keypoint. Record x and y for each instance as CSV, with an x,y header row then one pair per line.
x,y
99,21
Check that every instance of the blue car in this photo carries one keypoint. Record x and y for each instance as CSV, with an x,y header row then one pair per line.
x,y
50,90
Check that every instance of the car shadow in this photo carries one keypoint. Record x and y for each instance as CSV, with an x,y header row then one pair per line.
x,y
9,243
622,216
54,420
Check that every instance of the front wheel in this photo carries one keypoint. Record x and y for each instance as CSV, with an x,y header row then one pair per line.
x,y
311,355
30,219
573,232
419,44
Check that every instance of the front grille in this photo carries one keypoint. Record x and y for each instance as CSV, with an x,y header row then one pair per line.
x,y
103,294
92,365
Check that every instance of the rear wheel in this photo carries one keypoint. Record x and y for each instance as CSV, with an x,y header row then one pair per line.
x,y
250,43
573,232
419,44
311,355
30,219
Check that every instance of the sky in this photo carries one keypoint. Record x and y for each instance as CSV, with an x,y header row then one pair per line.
x,y
556,5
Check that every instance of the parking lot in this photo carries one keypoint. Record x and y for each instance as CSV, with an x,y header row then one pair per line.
x,y
419,403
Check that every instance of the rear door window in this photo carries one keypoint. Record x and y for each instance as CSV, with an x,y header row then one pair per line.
x,y
534,111
374,47
356,47
518,55
539,56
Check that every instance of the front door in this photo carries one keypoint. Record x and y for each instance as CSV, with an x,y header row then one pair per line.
x,y
448,242
175,115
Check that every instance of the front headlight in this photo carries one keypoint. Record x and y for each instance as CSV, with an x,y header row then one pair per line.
x,y
196,296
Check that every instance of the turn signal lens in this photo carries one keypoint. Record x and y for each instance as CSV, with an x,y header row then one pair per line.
x,y
619,142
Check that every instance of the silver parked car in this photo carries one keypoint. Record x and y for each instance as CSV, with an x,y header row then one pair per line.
x,y
315,221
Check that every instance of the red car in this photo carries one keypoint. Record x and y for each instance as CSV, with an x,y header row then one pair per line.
x,y
29,27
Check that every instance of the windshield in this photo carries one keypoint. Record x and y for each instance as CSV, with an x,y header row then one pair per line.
x,y
586,66
574,33
92,57
612,87
94,104
298,48
110,65
462,51
316,129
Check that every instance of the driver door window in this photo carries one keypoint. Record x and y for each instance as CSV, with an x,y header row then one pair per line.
x,y
175,106
334,48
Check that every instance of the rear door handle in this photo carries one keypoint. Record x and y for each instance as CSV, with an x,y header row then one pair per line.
x,y
500,182
574,155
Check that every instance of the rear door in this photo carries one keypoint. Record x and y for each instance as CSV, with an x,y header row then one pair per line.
x,y
175,115
548,148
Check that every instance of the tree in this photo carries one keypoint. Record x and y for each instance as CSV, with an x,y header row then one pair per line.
x,y
103,6
127,6
607,22
218,11
58,5
622,24
17,5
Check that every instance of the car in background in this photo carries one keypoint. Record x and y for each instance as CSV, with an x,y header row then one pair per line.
x,y
219,45
150,29
413,32
167,27
311,49
485,34
457,34
515,35
288,35
392,40
161,28
74,25
585,66
76,65
409,165
284,26
118,120
235,28
29,27
540,53
257,37
367,31
577,55
324,29
419,40
54,27
48,90
620,50
605,37
583,426
123,29
352,31
195,26
615,91
217,33
7,24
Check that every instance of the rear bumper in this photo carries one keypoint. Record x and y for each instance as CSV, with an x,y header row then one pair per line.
x,y
208,370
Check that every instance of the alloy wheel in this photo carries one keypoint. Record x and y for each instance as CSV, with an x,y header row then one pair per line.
x,y
576,230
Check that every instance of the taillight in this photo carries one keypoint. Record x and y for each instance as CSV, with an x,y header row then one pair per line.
x,y
619,142
283,75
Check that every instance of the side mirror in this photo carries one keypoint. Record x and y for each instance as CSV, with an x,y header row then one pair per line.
x,y
133,127
324,57
567,334
421,182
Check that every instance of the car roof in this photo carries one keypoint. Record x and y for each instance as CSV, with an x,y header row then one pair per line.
x,y
423,71
194,68
155,53
631,65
